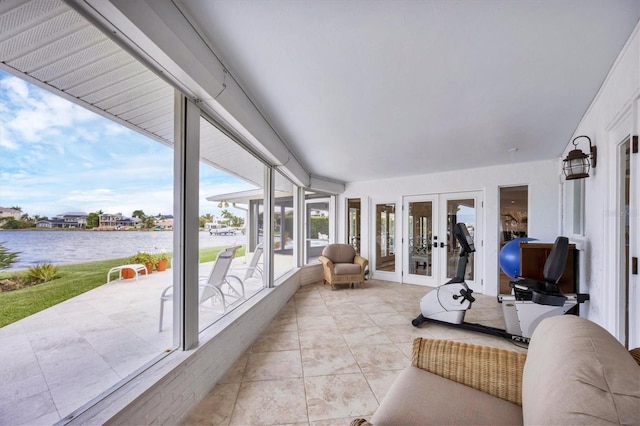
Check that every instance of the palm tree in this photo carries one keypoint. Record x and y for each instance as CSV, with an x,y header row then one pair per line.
x,y
205,218
139,214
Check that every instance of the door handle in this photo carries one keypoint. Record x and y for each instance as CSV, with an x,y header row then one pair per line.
x,y
441,245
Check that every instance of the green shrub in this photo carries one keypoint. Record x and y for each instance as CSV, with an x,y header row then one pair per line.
x,y
7,258
42,273
318,225
160,256
142,258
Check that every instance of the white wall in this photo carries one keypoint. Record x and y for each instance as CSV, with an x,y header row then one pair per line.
x,y
542,178
613,115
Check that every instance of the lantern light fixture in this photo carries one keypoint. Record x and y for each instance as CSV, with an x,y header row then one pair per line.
x,y
578,164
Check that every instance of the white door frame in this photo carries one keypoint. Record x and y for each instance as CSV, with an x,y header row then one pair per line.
x,y
439,260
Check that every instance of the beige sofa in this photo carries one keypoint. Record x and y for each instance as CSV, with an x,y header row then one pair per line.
x,y
574,373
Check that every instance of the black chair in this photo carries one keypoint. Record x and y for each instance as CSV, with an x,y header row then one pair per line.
x,y
546,292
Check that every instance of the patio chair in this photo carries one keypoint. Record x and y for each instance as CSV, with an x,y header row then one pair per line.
x,y
218,285
252,269
341,265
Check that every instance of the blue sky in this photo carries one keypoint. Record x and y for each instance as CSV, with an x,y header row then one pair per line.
x,y
57,157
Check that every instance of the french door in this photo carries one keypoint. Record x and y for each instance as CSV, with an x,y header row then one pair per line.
x,y
384,262
430,249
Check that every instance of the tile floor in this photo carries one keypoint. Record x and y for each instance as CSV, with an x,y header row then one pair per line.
x,y
330,356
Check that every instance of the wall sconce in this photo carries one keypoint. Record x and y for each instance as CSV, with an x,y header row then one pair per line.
x,y
577,165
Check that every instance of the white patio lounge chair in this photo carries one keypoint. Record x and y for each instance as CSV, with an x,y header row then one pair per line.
x,y
218,285
252,269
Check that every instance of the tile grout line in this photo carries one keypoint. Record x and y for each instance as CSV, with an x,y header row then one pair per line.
x,y
304,382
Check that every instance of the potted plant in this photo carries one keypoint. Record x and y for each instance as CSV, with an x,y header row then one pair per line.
x,y
143,258
127,273
161,261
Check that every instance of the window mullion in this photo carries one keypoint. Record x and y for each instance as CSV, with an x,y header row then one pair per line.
x,y
186,223
269,202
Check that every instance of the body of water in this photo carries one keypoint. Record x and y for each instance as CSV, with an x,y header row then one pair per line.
x,y
63,247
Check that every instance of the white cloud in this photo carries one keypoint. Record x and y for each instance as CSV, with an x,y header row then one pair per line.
x,y
6,142
58,157
91,196
34,115
114,129
17,88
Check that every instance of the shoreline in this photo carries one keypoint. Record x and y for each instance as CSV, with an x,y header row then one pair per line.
x,y
66,247
204,251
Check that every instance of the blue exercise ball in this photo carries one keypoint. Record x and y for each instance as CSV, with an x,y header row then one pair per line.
x,y
510,257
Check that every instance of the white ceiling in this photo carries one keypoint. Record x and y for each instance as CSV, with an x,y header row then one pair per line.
x,y
364,89
357,89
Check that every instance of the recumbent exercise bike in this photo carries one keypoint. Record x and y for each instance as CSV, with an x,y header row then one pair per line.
x,y
530,302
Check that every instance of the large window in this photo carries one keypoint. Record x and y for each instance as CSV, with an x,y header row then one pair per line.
x,y
230,251
95,196
284,225
190,205
317,224
577,204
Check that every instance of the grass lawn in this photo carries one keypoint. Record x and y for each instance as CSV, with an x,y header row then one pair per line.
x,y
72,280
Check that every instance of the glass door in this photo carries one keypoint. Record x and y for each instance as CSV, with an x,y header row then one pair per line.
x,y
421,233
385,237
460,208
353,223
514,221
430,250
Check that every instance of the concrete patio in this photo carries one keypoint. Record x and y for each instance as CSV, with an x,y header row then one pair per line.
x,y
54,361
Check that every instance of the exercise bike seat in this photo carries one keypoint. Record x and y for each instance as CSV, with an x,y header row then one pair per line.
x,y
546,292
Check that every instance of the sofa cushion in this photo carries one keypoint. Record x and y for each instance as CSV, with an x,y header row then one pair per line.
x,y
339,253
578,373
346,268
418,397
